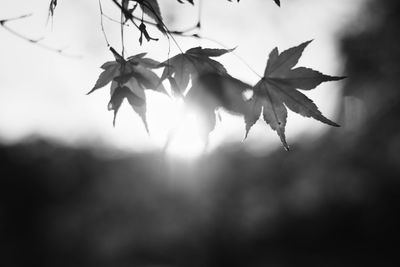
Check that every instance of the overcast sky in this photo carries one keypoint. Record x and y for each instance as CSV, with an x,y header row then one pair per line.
x,y
43,93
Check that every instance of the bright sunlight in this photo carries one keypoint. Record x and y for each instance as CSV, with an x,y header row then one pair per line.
x,y
175,127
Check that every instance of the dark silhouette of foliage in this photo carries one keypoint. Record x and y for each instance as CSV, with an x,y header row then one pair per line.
x,y
272,95
276,90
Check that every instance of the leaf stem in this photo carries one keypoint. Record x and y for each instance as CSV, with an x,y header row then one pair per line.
x,y
102,24
226,47
122,32
163,25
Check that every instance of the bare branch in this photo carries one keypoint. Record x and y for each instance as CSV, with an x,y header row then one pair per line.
x,y
102,25
36,41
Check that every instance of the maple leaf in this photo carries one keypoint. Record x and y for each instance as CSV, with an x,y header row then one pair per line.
x,y
212,91
277,90
190,65
129,78
134,93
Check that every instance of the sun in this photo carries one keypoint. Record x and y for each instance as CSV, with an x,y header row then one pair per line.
x,y
175,127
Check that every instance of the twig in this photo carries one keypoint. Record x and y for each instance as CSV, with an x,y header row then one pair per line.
x,y
122,31
37,41
126,13
223,46
181,33
102,25
132,19
233,52
114,20
163,25
15,18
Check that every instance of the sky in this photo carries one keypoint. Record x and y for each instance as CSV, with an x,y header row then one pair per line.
x,y
43,93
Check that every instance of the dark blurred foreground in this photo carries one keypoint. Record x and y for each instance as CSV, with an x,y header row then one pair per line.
x,y
333,202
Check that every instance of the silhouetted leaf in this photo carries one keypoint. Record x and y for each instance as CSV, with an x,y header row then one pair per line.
x,y
211,91
145,62
191,64
133,92
278,90
110,72
129,80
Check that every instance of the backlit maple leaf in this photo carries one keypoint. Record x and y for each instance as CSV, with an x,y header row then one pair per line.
x,y
190,65
277,90
212,91
129,78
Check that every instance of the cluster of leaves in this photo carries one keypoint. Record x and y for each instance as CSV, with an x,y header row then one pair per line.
x,y
213,88
211,85
129,78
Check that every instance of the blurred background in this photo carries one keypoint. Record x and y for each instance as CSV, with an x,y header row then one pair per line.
x,y
76,192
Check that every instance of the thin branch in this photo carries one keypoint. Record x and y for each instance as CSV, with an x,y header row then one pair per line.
x,y
176,32
225,47
37,41
15,18
163,25
234,53
182,32
122,32
102,24
132,19
126,13
114,20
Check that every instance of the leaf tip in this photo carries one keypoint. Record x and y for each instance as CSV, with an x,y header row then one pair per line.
x,y
248,127
232,49
91,91
114,119
327,78
308,42
245,135
284,143
338,78
329,122
146,126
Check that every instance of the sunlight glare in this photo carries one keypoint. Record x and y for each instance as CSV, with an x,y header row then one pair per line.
x,y
175,127
186,141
